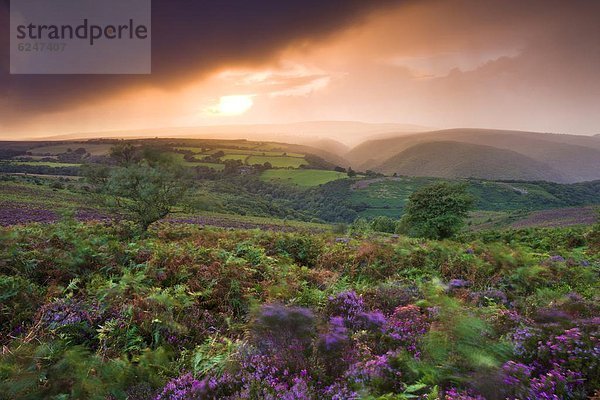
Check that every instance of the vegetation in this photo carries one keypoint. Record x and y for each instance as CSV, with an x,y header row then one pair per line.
x,y
388,196
193,313
437,211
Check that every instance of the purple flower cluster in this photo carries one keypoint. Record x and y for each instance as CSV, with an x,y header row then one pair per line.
x,y
557,365
350,307
17,214
458,284
336,336
455,394
377,372
65,312
556,259
347,305
285,334
185,387
406,326
91,215
557,383
339,391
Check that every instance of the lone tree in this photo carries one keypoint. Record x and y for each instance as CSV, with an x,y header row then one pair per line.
x,y
147,184
437,211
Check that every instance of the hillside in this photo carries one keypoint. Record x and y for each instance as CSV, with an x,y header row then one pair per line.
x,y
388,196
454,159
572,158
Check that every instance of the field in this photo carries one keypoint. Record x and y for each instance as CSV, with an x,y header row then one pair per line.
x,y
301,177
43,163
277,162
251,153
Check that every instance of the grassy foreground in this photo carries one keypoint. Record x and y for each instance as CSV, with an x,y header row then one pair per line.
x,y
192,313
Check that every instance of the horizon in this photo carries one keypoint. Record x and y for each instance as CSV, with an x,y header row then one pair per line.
x,y
236,132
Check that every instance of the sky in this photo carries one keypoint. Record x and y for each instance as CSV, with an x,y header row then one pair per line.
x,y
525,65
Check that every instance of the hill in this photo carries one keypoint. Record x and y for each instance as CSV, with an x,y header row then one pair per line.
x,y
454,159
573,158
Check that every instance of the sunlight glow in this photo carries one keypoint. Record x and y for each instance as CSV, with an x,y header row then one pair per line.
x,y
234,105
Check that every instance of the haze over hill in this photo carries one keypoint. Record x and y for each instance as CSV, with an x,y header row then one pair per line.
x,y
565,158
347,132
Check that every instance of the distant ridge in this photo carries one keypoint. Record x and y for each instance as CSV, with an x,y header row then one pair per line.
x,y
347,132
569,158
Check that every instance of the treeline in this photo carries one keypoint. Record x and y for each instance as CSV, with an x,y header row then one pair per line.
x,y
248,195
38,169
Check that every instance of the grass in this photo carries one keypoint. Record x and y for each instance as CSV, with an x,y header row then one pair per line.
x,y
44,163
278,162
179,159
301,177
250,219
240,157
46,197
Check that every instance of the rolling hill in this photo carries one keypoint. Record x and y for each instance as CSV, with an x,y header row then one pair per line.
x,y
447,159
567,158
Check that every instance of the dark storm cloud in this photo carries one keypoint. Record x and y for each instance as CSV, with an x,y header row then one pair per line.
x,y
189,38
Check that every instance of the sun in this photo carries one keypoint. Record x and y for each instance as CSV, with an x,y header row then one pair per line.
x,y
234,105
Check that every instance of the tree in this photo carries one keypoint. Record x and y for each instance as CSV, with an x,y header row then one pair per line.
x,y
437,211
351,173
124,153
147,189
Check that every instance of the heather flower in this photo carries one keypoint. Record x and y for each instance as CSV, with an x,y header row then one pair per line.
x,y
376,372
516,373
555,384
556,259
337,336
522,339
66,312
572,350
373,319
455,394
347,305
458,284
285,334
185,387
406,326
339,391
517,377
277,327
351,308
